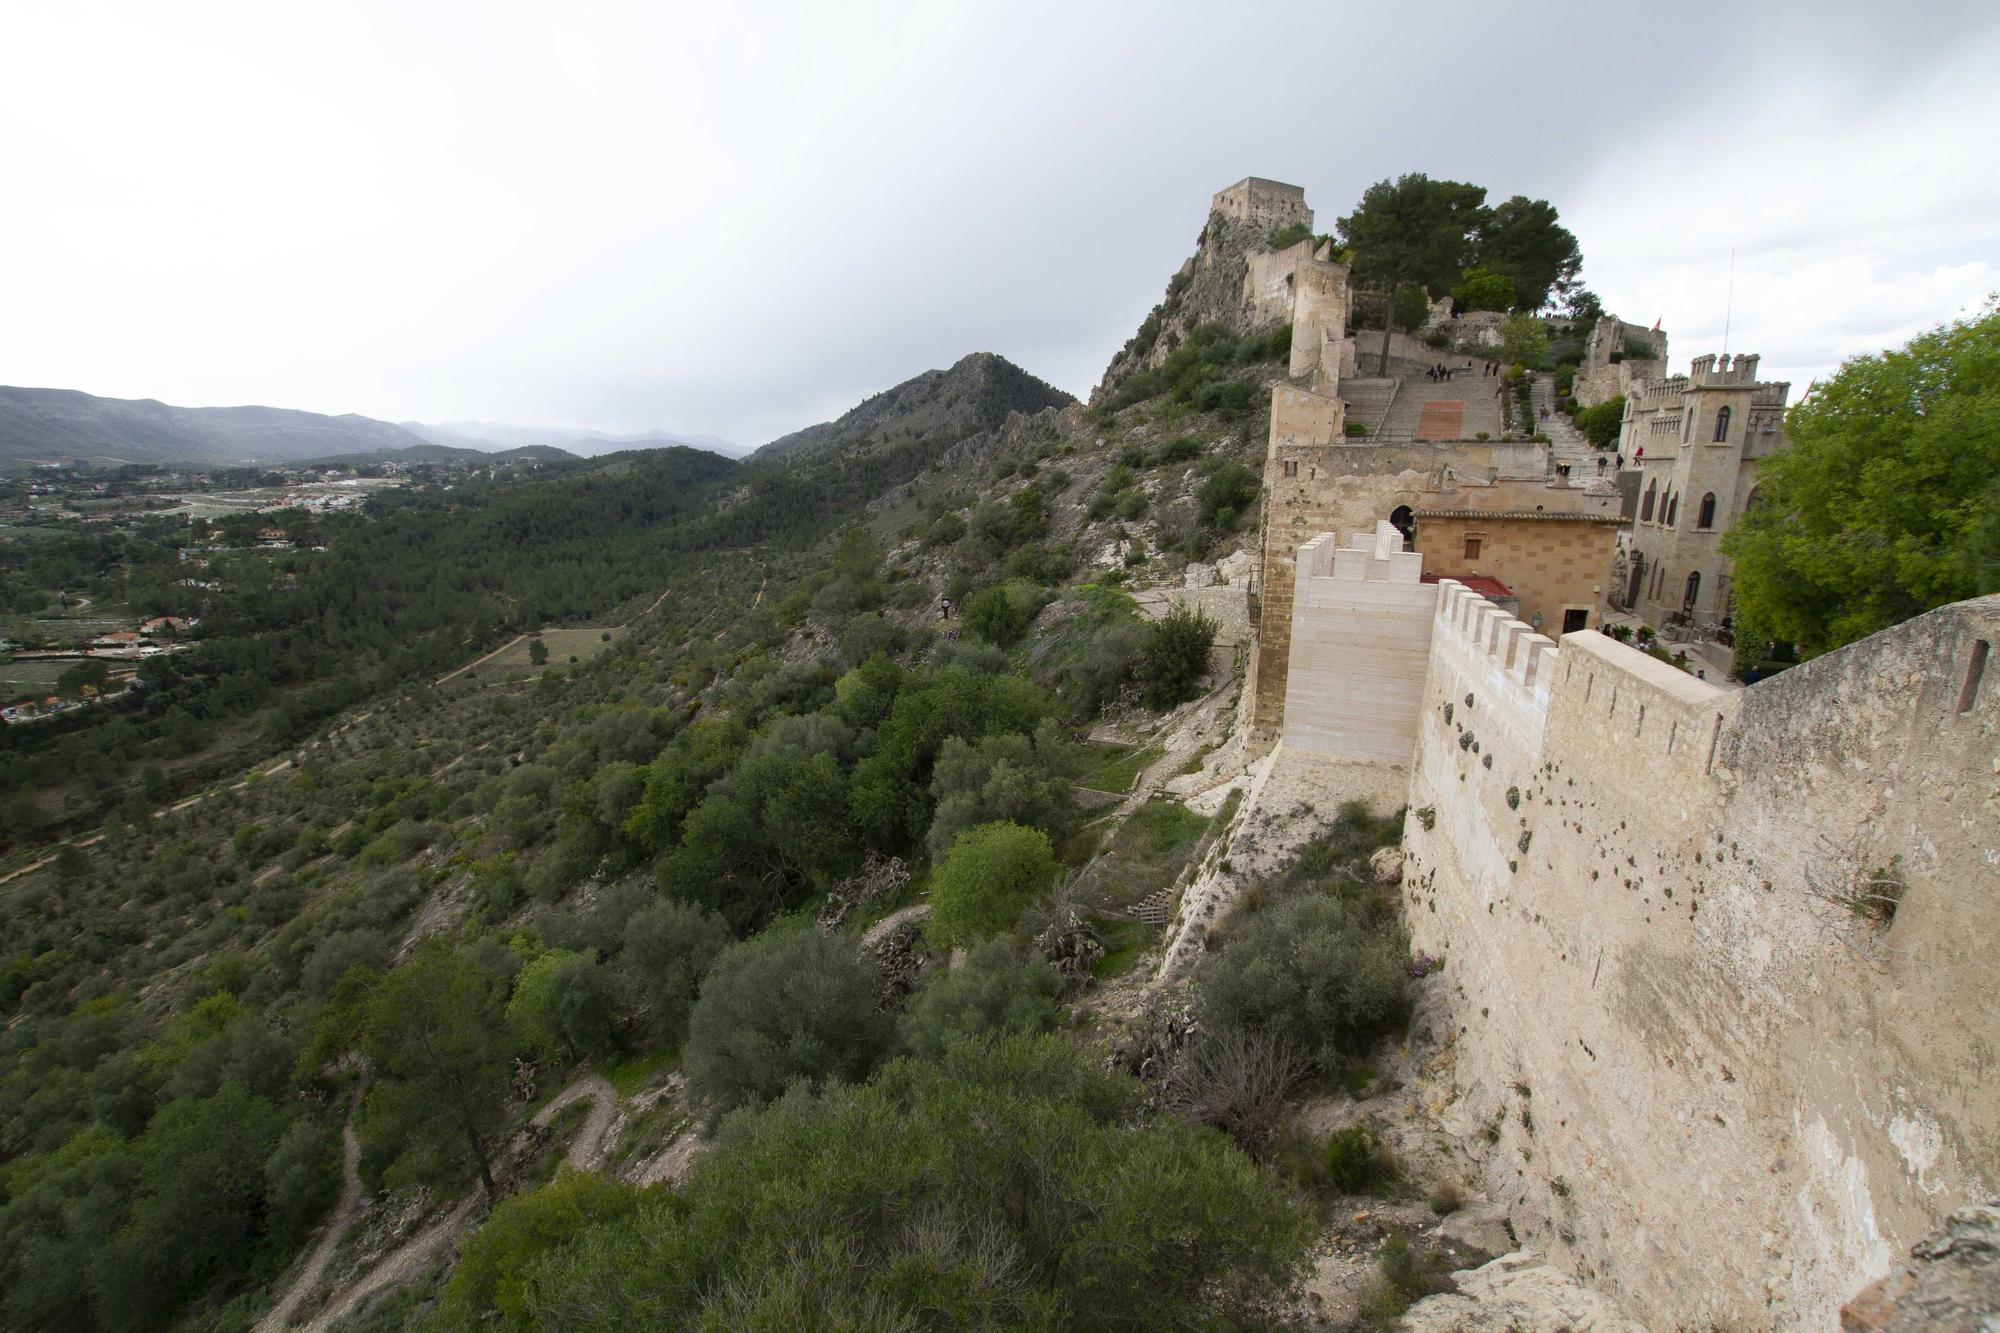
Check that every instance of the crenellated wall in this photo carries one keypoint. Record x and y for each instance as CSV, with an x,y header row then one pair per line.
x,y
1361,634
1706,1070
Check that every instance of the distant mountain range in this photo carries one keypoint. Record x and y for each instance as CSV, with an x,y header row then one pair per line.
x,y
493,435
65,425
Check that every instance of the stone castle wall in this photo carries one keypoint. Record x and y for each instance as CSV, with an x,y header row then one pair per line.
x,y
1361,634
1711,1085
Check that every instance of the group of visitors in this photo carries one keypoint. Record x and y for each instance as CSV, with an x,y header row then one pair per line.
x,y
1438,372
1490,369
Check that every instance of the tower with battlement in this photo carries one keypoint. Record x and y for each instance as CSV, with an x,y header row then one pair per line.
x,y
1263,203
1697,440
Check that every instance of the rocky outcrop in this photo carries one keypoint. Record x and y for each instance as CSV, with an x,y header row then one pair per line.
x,y
1951,1283
1517,1293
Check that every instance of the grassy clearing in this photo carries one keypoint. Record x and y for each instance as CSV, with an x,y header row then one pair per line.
x,y
39,676
1124,943
1114,768
635,1072
582,644
1147,852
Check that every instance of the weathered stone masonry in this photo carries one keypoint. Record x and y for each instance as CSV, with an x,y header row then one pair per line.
x,y
1714,1084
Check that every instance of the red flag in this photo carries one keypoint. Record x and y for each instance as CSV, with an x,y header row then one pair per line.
x,y
1656,324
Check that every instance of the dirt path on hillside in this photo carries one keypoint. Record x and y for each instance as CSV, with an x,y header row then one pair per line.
x,y
405,1262
481,661
1204,722
280,1316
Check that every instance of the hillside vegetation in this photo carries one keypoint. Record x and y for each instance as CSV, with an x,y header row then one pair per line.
x,y
714,874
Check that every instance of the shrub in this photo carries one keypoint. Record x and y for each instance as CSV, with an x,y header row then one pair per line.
x,y
999,991
1002,1187
1237,1081
1285,237
998,615
945,530
1181,449
1328,973
779,1008
490,1283
1227,493
1175,657
1601,424
990,874
1354,430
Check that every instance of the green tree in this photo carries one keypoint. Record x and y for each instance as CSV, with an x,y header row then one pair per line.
x,y
1413,230
1410,232
563,1004
669,948
1601,424
1483,289
1175,656
1520,237
1411,308
779,1008
1524,341
1884,505
1016,778
991,873
437,1031
1000,990
538,652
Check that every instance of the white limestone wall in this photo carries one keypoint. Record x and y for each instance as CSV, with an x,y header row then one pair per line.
x,y
1361,642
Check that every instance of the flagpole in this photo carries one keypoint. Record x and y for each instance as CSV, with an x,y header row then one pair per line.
x,y
1729,302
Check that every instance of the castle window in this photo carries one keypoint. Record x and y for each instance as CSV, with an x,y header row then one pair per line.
x,y
1722,425
1291,467
1693,591
1472,545
1646,505
1673,509
1706,518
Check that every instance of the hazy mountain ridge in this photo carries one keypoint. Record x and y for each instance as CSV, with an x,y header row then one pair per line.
x,y
57,425
976,395
493,436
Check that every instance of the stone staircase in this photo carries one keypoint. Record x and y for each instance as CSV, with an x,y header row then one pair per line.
x,y
1474,395
1368,401
1567,444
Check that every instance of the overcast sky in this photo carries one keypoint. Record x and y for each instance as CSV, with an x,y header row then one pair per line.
x,y
739,220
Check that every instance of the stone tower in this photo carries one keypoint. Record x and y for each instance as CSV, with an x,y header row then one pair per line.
x,y
1308,420
1704,435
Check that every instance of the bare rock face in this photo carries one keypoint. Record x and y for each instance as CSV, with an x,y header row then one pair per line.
x,y
1387,863
1951,1283
1518,1293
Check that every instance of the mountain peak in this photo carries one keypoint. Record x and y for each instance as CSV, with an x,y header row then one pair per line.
x,y
976,394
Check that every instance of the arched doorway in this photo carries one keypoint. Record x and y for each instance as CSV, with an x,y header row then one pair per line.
x,y
1405,522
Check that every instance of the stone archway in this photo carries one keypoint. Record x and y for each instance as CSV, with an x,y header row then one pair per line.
x,y
1405,522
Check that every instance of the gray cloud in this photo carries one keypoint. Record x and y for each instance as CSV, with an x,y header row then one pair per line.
x,y
647,216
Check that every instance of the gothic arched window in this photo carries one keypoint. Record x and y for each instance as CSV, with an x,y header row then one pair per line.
x,y
1693,591
1722,425
1673,509
1706,518
1646,505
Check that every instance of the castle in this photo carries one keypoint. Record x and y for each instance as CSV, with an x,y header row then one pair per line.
x,y
1718,965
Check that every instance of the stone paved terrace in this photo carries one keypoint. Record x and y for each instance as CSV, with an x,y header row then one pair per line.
x,y
1470,396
